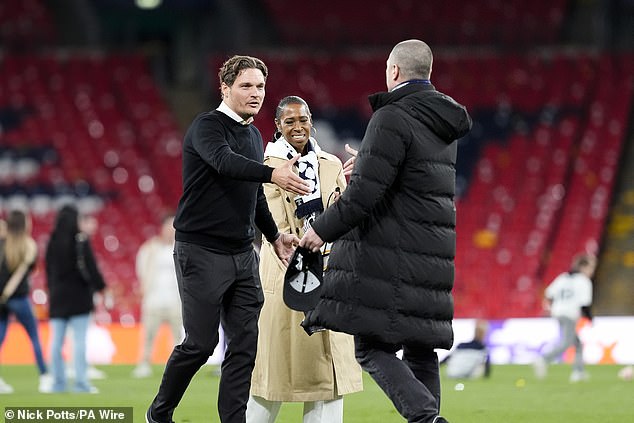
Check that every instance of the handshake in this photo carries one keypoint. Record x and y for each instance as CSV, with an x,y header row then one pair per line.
x,y
285,244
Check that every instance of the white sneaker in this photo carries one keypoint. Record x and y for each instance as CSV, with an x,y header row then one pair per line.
x,y
87,390
5,388
540,367
142,371
46,384
579,376
94,373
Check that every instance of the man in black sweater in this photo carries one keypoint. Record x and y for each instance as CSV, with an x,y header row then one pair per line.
x,y
216,265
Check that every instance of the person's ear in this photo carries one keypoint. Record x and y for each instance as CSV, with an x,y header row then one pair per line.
x,y
224,88
395,72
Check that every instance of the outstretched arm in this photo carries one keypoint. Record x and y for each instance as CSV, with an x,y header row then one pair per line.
x,y
210,143
376,167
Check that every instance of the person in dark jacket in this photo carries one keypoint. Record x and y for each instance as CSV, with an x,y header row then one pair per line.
x,y
216,265
73,277
391,268
470,360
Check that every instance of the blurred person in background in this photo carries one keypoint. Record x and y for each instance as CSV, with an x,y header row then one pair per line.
x,y
5,388
18,253
290,365
159,291
568,298
89,226
470,360
73,278
391,269
216,264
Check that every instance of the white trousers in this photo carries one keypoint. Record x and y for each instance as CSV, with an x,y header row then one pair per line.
x,y
260,410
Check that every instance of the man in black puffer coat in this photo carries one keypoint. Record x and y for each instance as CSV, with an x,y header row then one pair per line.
x,y
391,269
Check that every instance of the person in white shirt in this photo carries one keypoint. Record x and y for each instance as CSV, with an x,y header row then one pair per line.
x,y
470,360
161,300
569,297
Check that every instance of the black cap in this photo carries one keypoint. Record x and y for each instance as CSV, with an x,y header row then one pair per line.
x,y
303,280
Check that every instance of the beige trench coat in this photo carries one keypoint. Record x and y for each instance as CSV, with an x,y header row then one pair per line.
x,y
290,365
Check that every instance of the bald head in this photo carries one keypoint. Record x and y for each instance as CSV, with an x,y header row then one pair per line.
x,y
411,59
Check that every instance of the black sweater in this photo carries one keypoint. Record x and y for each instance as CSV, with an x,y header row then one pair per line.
x,y
222,185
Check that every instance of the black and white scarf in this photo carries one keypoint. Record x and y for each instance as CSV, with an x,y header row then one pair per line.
x,y
310,205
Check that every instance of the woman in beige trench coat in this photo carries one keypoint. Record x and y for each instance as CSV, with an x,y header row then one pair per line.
x,y
291,366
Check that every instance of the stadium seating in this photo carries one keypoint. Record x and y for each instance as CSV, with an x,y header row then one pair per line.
x,y
94,129
24,24
541,195
535,175
335,24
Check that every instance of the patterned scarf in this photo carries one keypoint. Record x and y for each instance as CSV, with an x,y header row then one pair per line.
x,y
309,205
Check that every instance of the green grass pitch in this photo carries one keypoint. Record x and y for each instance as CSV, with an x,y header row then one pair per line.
x,y
512,394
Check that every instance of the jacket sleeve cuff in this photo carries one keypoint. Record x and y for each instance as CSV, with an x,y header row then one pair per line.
x,y
268,173
273,238
323,232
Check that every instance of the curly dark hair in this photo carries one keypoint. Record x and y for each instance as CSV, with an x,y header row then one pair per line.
x,y
230,69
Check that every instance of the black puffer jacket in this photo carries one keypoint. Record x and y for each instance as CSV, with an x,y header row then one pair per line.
x,y
391,270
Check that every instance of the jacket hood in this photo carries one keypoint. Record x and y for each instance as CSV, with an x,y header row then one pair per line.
x,y
441,113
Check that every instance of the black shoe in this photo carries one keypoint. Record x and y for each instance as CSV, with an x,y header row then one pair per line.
x,y
440,420
149,418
